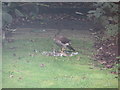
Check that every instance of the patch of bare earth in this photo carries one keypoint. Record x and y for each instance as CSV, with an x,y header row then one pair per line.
x,y
107,52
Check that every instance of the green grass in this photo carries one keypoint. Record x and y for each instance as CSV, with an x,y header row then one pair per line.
x,y
22,66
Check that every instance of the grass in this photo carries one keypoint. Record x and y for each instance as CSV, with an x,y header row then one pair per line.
x,y
24,68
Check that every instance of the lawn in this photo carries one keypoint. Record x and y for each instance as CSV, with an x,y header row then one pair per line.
x,y
24,66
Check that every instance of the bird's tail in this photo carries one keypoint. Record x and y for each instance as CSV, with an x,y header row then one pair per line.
x,y
71,48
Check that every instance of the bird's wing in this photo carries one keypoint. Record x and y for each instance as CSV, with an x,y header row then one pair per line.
x,y
64,40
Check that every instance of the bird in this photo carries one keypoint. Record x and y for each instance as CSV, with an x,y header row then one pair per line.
x,y
64,43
